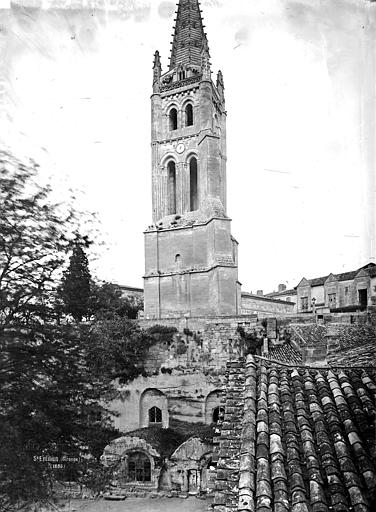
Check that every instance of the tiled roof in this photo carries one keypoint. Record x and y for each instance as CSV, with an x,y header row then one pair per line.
x,y
308,334
282,293
265,299
356,356
318,281
297,441
286,353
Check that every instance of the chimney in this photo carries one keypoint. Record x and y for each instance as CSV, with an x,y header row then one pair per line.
x,y
260,293
281,287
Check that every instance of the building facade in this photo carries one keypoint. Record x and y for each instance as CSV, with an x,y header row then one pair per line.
x,y
191,263
346,292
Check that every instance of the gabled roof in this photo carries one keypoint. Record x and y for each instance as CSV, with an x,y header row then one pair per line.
x,y
189,36
369,269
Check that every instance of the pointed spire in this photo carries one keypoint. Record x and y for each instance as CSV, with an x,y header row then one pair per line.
x,y
189,36
157,71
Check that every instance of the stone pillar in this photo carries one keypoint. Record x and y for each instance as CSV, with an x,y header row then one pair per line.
x,y
185,485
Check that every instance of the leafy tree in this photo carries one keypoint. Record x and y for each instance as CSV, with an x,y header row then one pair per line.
x,y
75,289
49,395
252,343
107,302
34,237
118,348
55,378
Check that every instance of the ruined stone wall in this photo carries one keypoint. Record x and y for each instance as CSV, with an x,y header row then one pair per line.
x,y
186,375
186,393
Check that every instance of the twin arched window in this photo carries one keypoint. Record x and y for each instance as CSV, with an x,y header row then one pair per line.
x,y
193,186
155,415
188,117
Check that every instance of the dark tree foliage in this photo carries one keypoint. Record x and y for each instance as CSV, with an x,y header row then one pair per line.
x,y
34,237
252,343
48,405
108,302
75,287
118,348
55,377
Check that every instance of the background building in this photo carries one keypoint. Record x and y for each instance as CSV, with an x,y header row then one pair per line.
x,y
346,292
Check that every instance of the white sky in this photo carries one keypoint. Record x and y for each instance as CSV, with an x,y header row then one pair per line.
x,y
300,94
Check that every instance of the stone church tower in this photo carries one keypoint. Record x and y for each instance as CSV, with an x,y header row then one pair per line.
x,y
190,256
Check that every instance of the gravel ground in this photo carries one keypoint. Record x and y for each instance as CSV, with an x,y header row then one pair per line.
x,y
139,505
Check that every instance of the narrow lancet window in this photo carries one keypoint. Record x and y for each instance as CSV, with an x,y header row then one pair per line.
x,y
193,184
171,176
173,119
189,115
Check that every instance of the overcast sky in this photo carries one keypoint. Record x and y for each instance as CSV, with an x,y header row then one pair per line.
x,y
300,95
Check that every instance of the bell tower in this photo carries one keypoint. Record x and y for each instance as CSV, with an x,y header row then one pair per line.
x,y
190,255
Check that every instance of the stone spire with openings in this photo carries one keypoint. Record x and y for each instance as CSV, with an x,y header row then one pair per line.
x,y
190,41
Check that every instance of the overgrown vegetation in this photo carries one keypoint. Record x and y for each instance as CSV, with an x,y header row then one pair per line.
x,y
252,343
162,334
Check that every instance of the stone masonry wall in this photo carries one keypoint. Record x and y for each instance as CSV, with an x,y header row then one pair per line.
x,y
186,375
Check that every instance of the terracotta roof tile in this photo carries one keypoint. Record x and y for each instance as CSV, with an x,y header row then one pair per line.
x,y
286,353
308,440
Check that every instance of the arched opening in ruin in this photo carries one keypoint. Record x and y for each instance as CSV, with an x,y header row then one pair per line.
x,y
138,467
213,406
218,413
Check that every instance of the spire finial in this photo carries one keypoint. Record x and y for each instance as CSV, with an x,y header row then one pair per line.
x,y
157,71
220,84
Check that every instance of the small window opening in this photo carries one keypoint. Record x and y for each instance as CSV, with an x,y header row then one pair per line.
x,y
181,75
177,258
193,185
189,115
173,116
171,176
155,415
218,413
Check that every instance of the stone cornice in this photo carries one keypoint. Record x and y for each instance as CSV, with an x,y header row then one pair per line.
x,y
190,271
